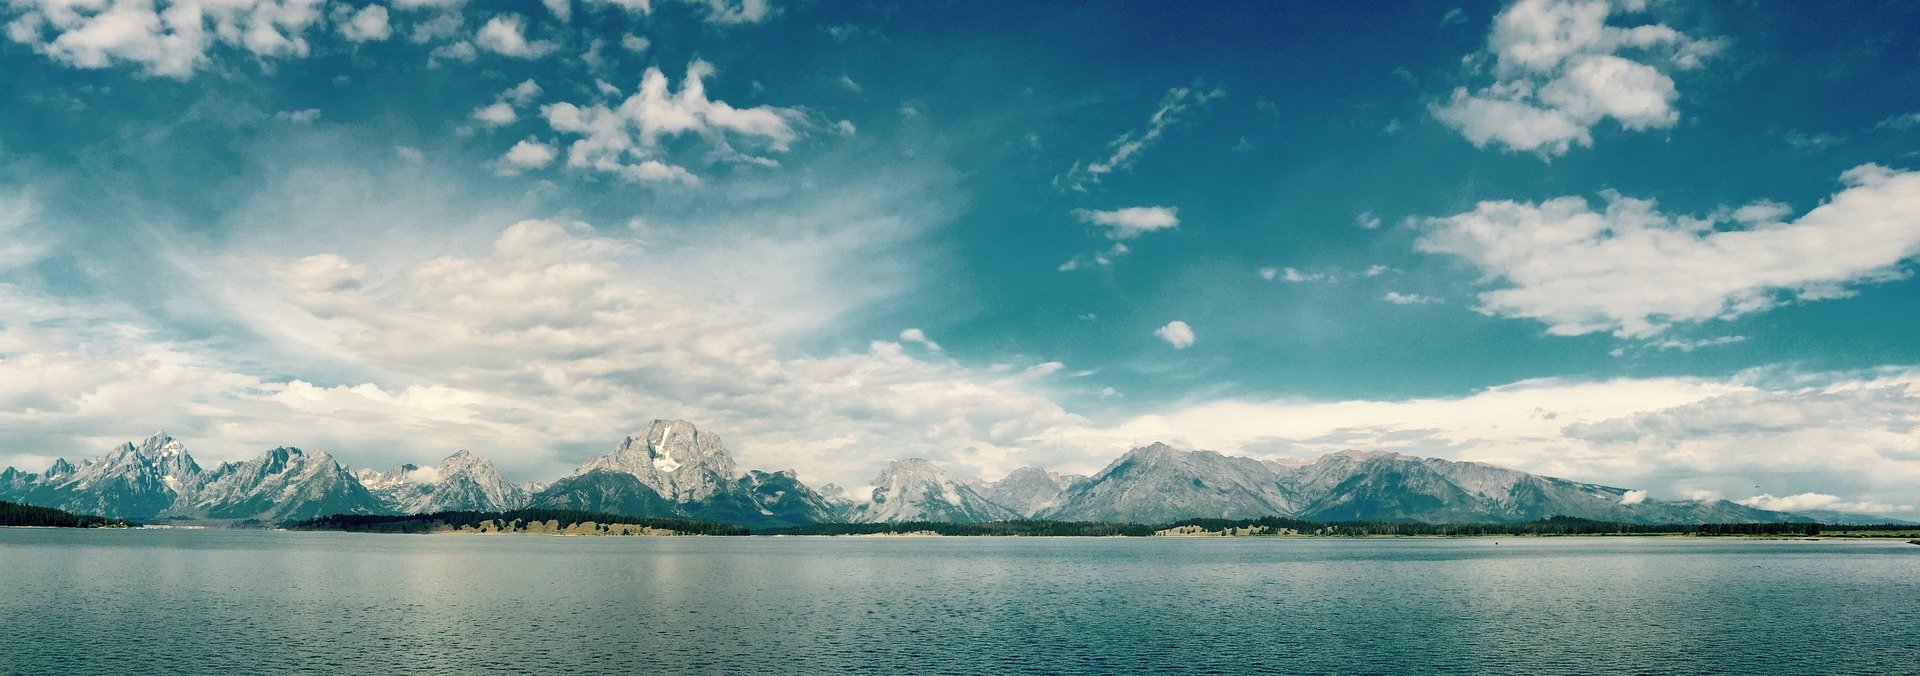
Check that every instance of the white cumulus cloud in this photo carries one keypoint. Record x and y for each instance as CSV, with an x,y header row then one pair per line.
x,y
1131,222
1561,67
527,154
506,35
624,137
168,38
1634,270
914,335
1177,334
1398,298
369,24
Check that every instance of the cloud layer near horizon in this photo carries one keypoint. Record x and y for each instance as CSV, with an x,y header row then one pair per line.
x,y
550,341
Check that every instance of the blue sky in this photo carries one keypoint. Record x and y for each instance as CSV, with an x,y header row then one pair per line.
x,y
1658,245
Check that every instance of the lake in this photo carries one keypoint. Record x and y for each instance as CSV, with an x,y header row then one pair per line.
x,y
249,602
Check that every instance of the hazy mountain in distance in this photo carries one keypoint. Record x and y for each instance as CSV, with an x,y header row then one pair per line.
x,y
915,489
461,482
1029,490
1158,484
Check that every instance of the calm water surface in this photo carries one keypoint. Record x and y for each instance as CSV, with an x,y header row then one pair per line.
x,y
249,602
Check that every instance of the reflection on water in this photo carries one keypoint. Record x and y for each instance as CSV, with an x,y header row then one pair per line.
x,y
242,602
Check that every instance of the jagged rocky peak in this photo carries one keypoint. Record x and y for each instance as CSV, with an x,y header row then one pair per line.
x,y
376,480
1030,490
461,482
281,484
673,457
1285,463
1159,483
915,489
170,458
465,481
59,468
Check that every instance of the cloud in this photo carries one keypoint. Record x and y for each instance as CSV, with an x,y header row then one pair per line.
x,y
1633,497
1126,149
1098,259
1177,334
496,114
458,51
411,5
1691,345
1294,276
731,12
1806,501
501,112
1635,271
306,116
920,337
1453,16
1847,434
723,12
550,329
522,94
1367,221
1131,222
167,39
624,139
446,23
635,43
561,9
527,154
506,35
1811,142
1559,68
369,24
1900,122
1398,298
1269,273
540,347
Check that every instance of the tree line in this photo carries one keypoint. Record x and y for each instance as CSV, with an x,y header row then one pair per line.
x,y
1557,525
421,523
15,514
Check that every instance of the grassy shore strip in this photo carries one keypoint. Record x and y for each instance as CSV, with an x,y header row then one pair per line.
x,y
29,516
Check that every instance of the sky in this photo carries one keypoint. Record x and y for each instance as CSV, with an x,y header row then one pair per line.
x,y
1662,246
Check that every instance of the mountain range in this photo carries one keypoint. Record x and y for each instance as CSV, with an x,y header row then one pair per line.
x,y
674,469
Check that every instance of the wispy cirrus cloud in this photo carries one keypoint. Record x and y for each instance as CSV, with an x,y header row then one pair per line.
x,y
1126,149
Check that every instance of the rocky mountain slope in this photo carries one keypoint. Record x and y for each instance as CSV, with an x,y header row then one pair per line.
x,y
284,483
461,482
673,469
917,490
1157,484
1029,490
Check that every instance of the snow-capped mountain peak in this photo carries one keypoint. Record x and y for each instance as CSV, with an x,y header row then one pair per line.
x,y
674,458
915,489
462,482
